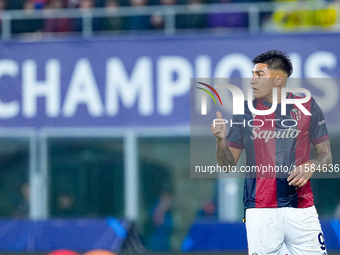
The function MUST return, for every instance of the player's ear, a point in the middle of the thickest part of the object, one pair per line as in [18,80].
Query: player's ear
[279,81]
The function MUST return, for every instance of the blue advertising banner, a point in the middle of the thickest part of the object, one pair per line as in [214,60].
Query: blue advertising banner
[73,234]
[145,81]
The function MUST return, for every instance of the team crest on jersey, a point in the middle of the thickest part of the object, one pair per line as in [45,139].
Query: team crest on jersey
[295,114]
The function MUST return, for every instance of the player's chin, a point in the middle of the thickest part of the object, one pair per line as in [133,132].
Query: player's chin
[257,95]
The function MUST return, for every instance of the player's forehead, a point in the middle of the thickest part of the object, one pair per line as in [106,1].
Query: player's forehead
[260,67]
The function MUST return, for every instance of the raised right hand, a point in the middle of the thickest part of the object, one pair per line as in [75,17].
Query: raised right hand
[219,130]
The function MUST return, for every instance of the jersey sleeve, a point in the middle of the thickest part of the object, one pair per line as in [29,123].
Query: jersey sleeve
[317,130]
[234,137]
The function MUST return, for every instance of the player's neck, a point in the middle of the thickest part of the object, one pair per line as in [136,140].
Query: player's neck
[269,99]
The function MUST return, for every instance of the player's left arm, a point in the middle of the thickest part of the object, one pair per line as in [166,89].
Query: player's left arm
[301,174]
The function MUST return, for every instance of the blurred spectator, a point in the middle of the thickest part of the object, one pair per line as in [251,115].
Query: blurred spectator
[22,209]
[228,20]
[56,24]
[76,3]
[73,3]
[85,6]
[29,25]
[208,211]
[157,19]
[168,2]
[327,16]
[66,204]
[194,20]
[138,21]
[113,21]
[288,18]
[2,8]
[15,5]
[39,4]
[162,222]
[337,210]
[2,5]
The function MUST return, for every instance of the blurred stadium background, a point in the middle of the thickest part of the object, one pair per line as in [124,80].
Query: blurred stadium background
[95,119]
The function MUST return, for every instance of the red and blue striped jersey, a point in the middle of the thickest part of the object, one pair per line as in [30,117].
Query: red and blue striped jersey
[273,140]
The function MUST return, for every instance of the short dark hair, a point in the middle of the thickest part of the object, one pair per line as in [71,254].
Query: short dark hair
[275,60]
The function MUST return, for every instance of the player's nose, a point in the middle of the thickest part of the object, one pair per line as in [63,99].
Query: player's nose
[253,80]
